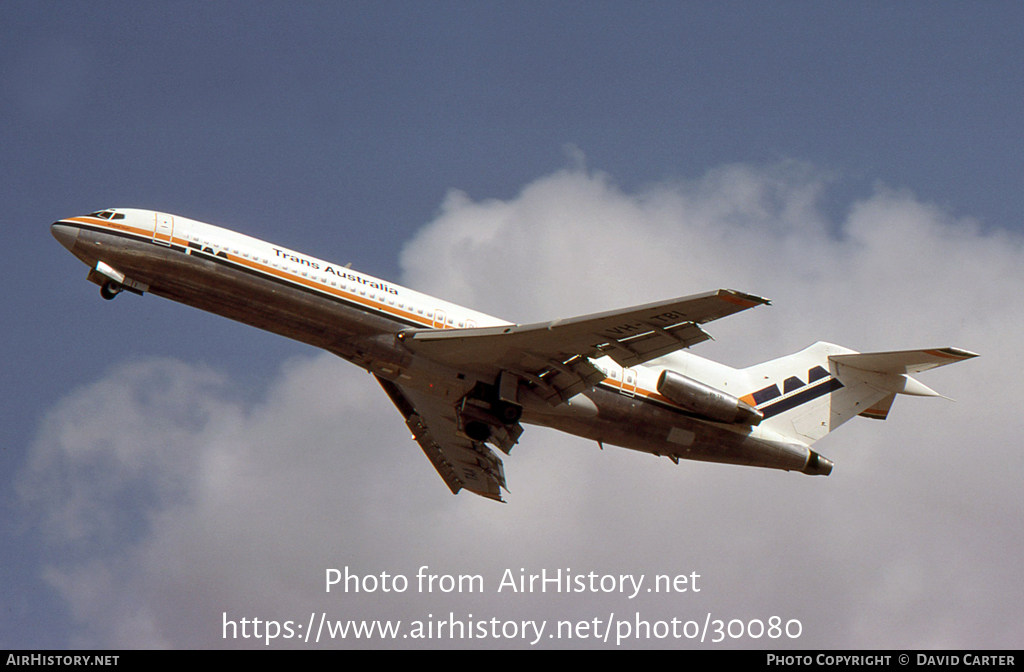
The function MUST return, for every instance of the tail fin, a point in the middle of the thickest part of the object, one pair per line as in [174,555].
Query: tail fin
[806,395]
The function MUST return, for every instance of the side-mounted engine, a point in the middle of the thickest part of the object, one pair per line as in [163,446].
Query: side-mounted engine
[706,401]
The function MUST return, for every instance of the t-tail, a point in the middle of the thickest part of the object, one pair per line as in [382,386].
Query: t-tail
[806,395]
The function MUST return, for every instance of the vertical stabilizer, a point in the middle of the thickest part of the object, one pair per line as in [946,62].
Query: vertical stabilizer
[806,395]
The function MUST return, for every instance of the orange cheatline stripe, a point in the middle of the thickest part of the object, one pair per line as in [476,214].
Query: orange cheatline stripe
[269,270]
[353,297]
[334,291]
[643,392]
[108,224]
[313,284]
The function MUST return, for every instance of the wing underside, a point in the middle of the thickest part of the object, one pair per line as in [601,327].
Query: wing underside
[461,462]
[551,359]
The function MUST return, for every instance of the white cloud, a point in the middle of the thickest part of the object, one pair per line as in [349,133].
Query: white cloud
[169,501]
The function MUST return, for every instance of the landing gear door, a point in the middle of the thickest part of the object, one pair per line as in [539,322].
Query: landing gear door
[163,229]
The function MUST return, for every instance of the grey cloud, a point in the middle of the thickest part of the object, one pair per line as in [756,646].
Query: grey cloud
[912,542]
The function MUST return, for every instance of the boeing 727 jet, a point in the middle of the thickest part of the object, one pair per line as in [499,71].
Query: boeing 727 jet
[465,382]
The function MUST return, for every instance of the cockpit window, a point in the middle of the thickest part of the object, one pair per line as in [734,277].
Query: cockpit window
[107,214]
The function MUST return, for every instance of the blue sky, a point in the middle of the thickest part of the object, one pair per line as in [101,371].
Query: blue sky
[372,133]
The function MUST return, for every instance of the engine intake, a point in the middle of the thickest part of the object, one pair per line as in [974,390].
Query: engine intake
[707,401]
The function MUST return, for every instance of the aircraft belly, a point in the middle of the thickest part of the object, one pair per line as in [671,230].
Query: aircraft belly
[466,382]
[646,426]
[205,282]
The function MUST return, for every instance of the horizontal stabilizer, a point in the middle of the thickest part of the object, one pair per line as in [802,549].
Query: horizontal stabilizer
[808,394]
[903,361]
[889,371]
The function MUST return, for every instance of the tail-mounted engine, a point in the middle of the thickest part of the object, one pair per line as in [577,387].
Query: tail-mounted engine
[706,401]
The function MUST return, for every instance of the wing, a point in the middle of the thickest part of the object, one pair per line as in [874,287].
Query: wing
[553,356]
[461,462]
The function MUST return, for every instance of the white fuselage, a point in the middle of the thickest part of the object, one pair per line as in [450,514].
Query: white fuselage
[357,317]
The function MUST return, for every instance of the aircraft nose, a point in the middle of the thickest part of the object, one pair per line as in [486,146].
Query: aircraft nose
[65,234]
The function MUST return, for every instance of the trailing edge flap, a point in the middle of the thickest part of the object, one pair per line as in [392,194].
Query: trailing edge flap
[553,355]
[889,370]
[461,462]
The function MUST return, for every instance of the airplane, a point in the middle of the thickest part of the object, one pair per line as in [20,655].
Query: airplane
[466,382]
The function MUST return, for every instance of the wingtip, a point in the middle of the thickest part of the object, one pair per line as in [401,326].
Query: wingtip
[744,299]
[963,354]
[951,355]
